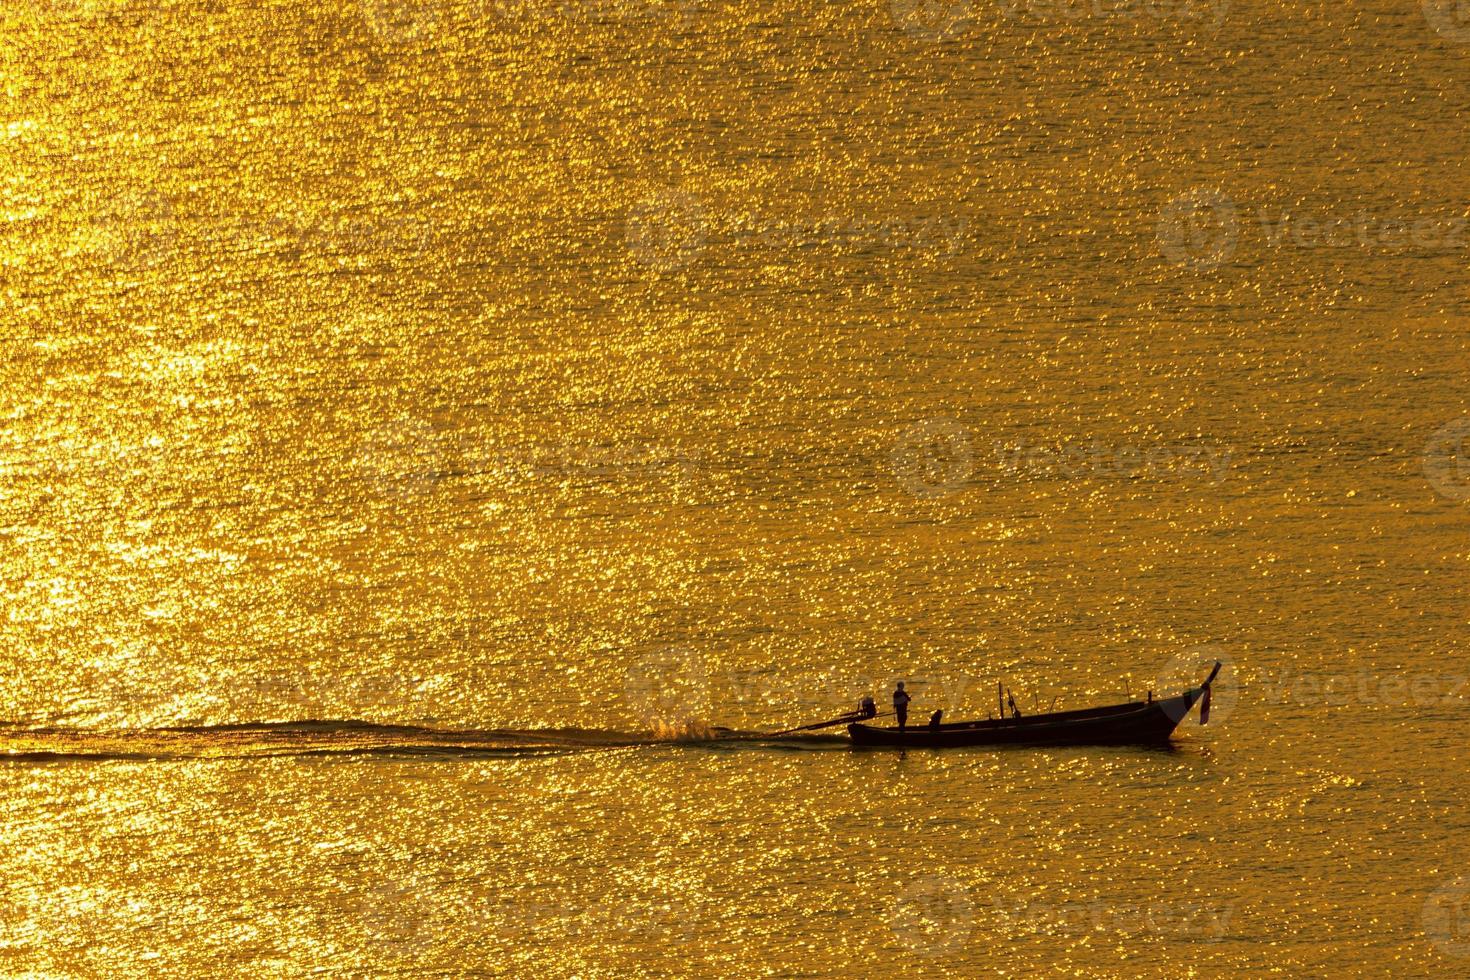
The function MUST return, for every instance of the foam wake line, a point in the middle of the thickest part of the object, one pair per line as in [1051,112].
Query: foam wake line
[316,737]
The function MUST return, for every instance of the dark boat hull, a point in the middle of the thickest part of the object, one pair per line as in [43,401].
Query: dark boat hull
[1135,723]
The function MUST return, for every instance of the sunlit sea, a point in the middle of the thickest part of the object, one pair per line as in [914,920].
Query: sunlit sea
[429,430]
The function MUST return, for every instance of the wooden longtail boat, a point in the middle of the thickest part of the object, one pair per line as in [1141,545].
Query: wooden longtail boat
[1149,722]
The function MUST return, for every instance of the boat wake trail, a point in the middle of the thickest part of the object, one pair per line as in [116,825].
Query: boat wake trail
[350,737]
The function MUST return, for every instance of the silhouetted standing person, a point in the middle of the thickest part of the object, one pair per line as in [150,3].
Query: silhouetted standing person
[901,701]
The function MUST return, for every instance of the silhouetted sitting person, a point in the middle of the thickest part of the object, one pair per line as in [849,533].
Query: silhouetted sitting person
[934,718]
[867,709]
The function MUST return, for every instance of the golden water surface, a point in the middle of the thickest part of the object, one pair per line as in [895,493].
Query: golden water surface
[407,408]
